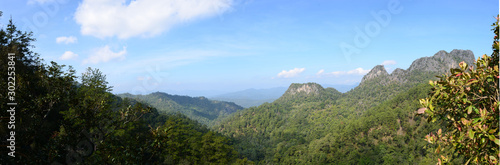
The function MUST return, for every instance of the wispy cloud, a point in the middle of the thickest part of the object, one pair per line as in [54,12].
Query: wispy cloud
[291,73]
[320,72]
[104,54]
[66,40]
[173,59]
[68,55]
[357,71]
[107,18]
[31,2]
[389,62]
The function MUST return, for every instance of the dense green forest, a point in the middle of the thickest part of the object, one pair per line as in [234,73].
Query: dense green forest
[62,118]
[200,109]
[320,130]
[377,122]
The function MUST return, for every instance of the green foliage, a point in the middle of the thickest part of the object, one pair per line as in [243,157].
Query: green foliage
[327,130]
[467,102]
[494,55]
[62,121]
[42,91]
[201,109]
[182,141]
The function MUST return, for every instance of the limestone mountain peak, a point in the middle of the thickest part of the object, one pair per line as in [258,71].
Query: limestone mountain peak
[377,71]
[305,88]
[440,62]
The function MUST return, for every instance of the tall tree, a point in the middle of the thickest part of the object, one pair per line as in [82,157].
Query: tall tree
[494,55]
[467,102]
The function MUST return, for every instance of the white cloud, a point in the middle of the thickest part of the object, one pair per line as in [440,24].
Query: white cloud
[104,54]
[66,40]
[172,59]
[389,62]
[107,18]
[68,55]
[320,72]
[291,73]
[357,71]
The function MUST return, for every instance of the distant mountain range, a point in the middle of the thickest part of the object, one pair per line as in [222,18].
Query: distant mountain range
[340,87]
[252,97]
[255,97]
[200,109]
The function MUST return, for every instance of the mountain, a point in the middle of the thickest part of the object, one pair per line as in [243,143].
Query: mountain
[251,97]
[255,97]
[340,87]
[377,85]
[374,123]
[195,93]
[441,62]
[307,92]
[200,109]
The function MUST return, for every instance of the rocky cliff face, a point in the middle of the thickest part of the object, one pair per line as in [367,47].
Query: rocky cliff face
[440,63]
[308,89]
[377,71]
[308,92]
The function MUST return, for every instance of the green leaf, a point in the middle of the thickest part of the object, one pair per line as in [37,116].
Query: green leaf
[455,70]
[476,110]
[491,137]
[497,141]
[492,131]
[470,110]
[475,120]
[438,149]
[468,161]
[429,112]
[437,92]
[471,134]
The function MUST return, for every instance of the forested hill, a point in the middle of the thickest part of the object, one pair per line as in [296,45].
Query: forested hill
[61,118]
[375,123]
[378,85]
[252,97]
[200,109]
[307,92]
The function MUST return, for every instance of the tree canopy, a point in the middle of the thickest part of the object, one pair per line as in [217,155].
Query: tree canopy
[62,118]
[467,102]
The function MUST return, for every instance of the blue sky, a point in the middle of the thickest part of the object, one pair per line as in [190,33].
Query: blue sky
[228,45]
